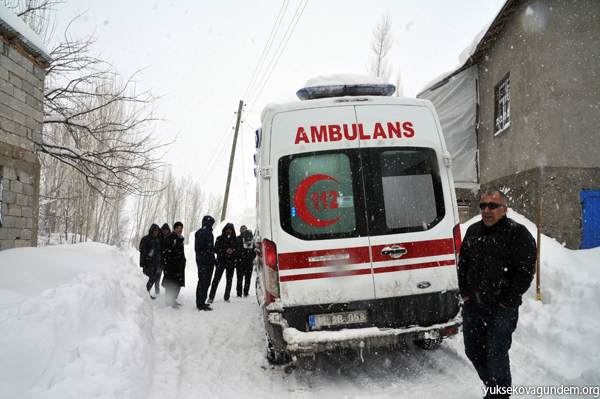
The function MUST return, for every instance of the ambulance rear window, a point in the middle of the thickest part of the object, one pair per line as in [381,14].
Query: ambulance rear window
[406,193]
[317,194]
[360,192]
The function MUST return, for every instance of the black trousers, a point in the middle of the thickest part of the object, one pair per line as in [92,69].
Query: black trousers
[243,277]
[488,336]
[204,275]
[215,283]
[153,277]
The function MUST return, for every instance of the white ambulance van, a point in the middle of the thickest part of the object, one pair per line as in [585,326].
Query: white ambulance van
[357,225]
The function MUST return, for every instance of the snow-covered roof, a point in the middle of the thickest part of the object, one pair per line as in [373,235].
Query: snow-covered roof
[474,51]
[20,30]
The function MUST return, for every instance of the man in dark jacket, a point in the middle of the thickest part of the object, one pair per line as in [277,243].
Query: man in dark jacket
[226,250]
[162,237]
[205,260]
[174,269]
[245,261]
[496,267]
[150,258]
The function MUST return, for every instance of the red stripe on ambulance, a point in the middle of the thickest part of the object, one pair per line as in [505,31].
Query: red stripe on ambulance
[358,256]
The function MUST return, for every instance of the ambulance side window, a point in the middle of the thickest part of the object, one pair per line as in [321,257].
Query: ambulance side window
[407,191]
[317,195]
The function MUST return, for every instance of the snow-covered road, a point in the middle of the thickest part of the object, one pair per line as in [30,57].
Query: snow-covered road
[76,322]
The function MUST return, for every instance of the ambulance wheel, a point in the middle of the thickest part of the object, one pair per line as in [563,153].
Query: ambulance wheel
[428,344]
[257,290]
[276,357]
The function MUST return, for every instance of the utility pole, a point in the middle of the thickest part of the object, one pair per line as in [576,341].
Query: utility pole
[237,128]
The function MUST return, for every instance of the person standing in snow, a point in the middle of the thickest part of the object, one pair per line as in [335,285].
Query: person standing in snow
[226,250]
[165,231]
[495,268]
[150,256]
[174,267]
[205,260]
[245,261]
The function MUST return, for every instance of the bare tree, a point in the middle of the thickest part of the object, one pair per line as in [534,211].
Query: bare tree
[37,14]
[98,143]
[383,40]
[399,88]
[106,125]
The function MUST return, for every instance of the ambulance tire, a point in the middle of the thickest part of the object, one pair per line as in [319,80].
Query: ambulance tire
[276,357]
[257,290]
[428,344]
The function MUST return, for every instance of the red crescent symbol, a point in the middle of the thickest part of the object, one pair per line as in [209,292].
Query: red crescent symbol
[300,201]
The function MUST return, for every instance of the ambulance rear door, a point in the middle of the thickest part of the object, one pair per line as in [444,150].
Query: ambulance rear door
[320,225]
[409,206]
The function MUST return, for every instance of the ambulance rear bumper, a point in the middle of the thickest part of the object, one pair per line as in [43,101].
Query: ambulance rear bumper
[307,343]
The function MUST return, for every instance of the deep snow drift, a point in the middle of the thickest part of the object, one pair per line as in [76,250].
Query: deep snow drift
[76,322]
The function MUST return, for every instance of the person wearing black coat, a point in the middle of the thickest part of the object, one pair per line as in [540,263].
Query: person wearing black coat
[174,268]
[165,231]
[226,250]
[150,256]
[496,266]
[205,260]
[245,261]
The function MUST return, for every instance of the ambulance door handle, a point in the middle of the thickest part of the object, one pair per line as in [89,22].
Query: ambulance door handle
[395,251]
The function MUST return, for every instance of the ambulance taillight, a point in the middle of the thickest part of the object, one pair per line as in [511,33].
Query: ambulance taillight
[269,253]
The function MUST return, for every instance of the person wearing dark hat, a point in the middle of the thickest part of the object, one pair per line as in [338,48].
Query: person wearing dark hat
[165,232]
[245,262]
[174,268]
[205,260]
[150,256]
[226,250]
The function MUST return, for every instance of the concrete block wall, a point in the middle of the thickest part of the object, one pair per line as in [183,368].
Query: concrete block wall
[21,120]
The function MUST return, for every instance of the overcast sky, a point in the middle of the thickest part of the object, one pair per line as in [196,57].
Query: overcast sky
[200,58]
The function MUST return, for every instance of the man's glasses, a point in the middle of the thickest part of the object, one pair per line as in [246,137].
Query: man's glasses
[491,205]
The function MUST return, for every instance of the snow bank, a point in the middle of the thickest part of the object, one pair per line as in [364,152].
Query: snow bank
[77,322]
[560,333]
[87,335]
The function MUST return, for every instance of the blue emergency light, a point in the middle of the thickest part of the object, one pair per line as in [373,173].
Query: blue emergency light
[314,92]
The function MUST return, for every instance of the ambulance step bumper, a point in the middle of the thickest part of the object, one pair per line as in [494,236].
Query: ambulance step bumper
[307,343]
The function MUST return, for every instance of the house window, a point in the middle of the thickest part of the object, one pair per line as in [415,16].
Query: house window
[502,105]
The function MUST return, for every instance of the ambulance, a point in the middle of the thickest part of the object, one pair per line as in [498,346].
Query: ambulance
[357,226]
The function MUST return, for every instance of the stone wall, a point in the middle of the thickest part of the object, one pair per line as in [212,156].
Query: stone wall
[21,118]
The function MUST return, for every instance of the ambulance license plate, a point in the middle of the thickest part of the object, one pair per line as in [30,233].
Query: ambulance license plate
[336,319]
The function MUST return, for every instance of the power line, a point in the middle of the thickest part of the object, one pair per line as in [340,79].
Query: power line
[278,52]
[268,45]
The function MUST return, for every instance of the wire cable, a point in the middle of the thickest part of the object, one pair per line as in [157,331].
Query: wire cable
[279,52]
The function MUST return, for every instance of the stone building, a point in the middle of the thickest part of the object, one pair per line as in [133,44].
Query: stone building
[522,114]
[23,63]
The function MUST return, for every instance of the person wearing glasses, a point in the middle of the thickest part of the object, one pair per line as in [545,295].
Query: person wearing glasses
[495,268]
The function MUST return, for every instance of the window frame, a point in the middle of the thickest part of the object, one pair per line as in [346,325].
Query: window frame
[502,105]
[285,201]
[370,217]
[376,212]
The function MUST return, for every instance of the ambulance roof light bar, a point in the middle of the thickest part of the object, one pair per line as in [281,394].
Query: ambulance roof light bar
[315,92]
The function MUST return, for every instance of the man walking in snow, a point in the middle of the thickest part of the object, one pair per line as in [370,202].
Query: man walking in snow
[205,260]
[226,250]
[496,267]
[150,256]
[165,232]
[174,268]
